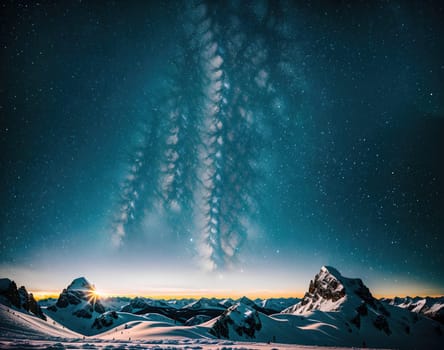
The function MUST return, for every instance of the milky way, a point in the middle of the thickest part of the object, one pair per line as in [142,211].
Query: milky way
[252,138]
[200,157]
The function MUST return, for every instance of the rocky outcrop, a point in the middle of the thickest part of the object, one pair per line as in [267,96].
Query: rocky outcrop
[105,320]
[239,319]
[332,292]
[20,298]
[34,307]
[198,319]
[8,289]
[24,298]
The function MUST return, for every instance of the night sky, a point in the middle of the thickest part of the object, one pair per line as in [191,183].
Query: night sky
[220,148]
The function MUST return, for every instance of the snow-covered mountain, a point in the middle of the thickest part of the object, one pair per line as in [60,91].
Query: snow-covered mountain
[336,311]
[227,302]
[179,303]
[346,303]
[330,291]
[239,320]
[19,298]
[428,306]
[80,309]
[77,306]
[20,324]
[205,303]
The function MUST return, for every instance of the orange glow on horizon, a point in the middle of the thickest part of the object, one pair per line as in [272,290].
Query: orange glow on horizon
[189,294]
[40,295]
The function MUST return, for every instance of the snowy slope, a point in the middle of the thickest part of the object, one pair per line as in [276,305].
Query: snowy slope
[243,323]
[19,324]
[19,330]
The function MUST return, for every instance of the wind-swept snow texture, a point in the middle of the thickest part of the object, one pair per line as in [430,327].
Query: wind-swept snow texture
[203,145]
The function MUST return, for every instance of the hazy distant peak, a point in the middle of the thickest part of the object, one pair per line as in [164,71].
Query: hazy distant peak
[247,301]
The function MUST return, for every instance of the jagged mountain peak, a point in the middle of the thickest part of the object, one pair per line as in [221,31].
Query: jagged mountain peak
[81,283]
[78,299]
[329,290]
[247,301]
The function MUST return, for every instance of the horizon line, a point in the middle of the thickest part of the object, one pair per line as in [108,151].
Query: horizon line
[42,295]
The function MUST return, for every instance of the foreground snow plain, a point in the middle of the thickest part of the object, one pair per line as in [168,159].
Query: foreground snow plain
[22,331]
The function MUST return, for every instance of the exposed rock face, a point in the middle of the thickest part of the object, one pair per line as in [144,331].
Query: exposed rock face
[105,320]
[9,290]
[239,318]
[69,298]
[329,290]
[86,312]
[332,292]
[23,295]
[324,292]
[198,319]
[80,296]
[34,307]
[20,298]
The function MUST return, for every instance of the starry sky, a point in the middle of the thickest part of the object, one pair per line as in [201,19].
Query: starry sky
[335,107]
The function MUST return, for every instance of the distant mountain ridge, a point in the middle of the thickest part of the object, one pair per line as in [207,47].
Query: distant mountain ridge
[335,311]
[79,308]
[432,307]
